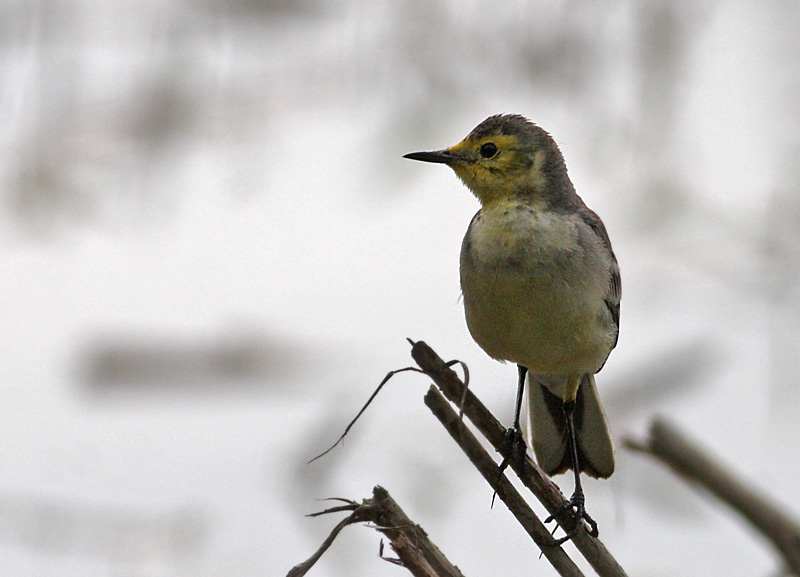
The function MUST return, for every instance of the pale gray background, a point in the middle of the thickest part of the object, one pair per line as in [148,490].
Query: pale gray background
[212,251]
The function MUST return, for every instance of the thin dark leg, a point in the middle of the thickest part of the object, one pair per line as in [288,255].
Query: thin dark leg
[578,498]
[577,503]
[520,389]
[513,442]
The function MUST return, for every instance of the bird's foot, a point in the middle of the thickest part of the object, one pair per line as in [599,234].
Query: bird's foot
[577,506]
[513,447]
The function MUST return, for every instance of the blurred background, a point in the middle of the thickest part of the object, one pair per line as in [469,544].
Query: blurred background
[212,251]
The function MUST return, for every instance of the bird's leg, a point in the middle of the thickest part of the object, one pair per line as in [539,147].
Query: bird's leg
[577,502]
[513,440]
[520,389]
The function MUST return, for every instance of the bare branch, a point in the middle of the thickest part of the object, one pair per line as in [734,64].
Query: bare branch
[673,448]
[500,483]
[529,473]
[414,549]
[411,543]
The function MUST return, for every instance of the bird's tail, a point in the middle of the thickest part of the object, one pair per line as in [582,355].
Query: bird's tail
[547,429]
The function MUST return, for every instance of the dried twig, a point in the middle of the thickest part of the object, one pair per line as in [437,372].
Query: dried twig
[409,541]
[673,448]
[500,483]
[414,549]
[377,390]
[531,475]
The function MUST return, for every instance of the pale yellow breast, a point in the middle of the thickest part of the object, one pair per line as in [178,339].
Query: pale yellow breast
[534,283]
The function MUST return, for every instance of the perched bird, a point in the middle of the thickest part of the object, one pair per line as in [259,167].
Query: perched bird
[541,289]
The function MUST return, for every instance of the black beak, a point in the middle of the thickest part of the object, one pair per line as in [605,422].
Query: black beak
[438,156]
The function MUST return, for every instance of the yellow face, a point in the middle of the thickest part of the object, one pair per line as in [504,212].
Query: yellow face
[498,166]
[505,157]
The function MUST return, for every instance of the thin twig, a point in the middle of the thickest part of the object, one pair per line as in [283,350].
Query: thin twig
[385,380]
[673,448]
[301,569]
[414,549]
[529,473]
[500,483]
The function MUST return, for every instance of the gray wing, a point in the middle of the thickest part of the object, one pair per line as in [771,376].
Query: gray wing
[614,292]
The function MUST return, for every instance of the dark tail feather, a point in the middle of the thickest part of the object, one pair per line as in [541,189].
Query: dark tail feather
[548,429]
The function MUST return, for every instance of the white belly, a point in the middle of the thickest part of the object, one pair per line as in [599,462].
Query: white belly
[534,287]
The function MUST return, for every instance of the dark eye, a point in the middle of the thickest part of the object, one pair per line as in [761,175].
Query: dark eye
[488,150]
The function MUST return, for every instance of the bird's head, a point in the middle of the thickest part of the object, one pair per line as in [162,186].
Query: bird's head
[506,156]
